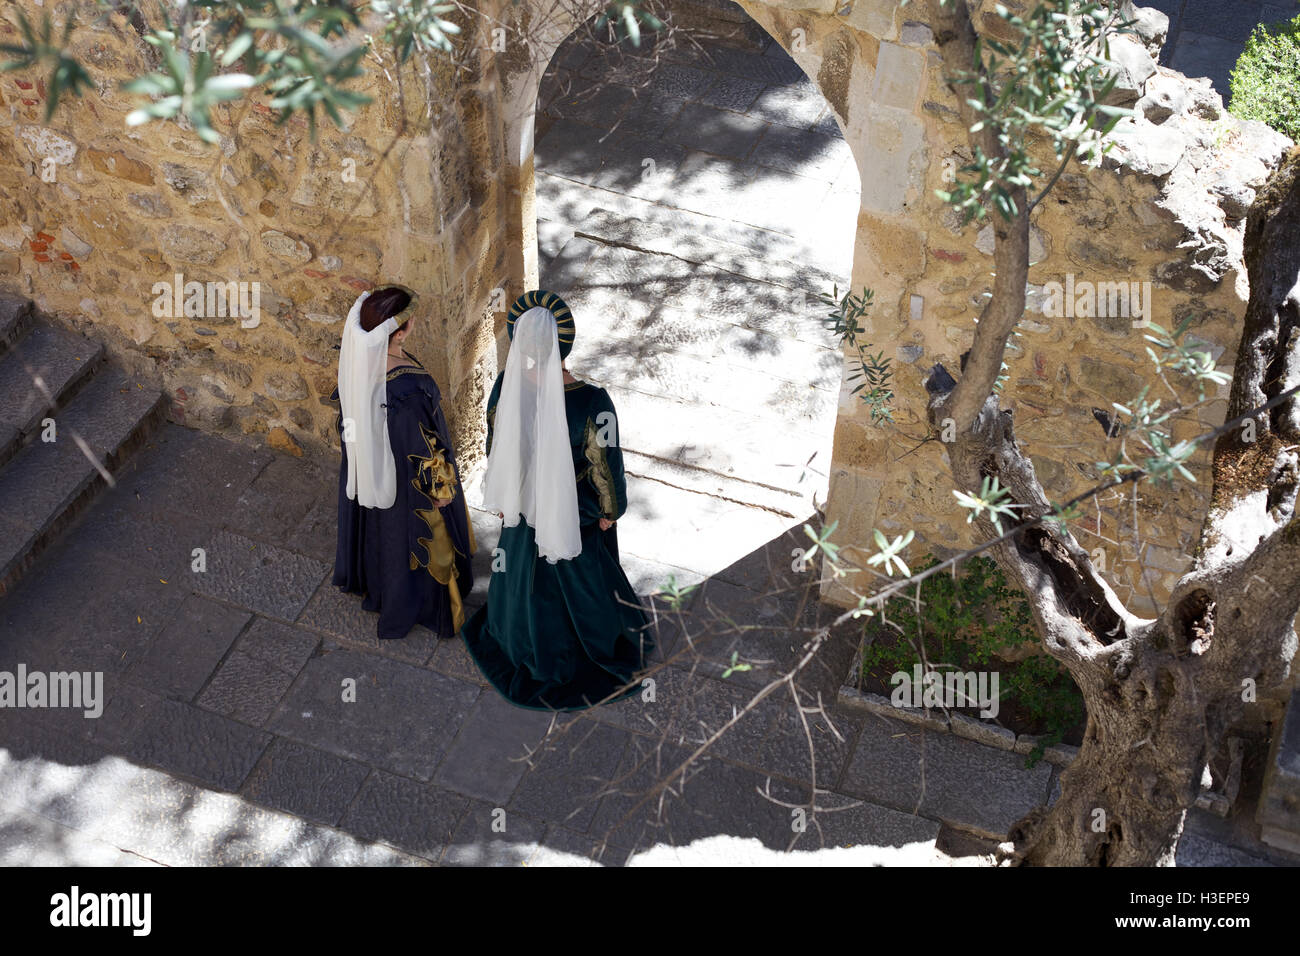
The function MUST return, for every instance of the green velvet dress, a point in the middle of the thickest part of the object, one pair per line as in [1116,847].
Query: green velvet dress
[568,635]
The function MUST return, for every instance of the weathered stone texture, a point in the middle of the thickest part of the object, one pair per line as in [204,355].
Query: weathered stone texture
[434,189]
[312,224]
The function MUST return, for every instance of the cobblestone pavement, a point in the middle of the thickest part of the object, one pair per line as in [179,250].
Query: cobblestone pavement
[224,737]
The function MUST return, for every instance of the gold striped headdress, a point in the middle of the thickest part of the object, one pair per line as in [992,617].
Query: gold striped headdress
[546,300]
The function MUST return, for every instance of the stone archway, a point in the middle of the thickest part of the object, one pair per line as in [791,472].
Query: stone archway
[1165,209]
[690,223]
[888,193]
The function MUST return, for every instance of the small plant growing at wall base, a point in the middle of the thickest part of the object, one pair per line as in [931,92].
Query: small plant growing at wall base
[974,620]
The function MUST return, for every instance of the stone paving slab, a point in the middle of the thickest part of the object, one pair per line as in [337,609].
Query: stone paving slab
[44,607]
[966,784]
[865,824]
[139,538]
[1196,850]
[487,758]
[180,738]
[451,658]
[718,131]
[731,93]
[317,532]
[191,478]
[96,799]
[305,782]
[406,814]
[567,780]
[118,618]
[183,656]
[785,748]
[488,835]
[263,511]
[341,616]
[28,839]
[1206,37]
[276,645]
[402,720]
[245,689]
[716,798]
[659,515]
[266,578]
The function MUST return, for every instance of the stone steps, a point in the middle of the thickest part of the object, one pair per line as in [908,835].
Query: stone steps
[15,319]
[99,412]
[45,367]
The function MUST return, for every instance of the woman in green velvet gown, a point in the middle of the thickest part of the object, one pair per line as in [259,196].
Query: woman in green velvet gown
[562,628]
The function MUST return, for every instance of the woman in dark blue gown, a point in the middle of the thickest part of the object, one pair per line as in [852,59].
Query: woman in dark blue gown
[569,633]
[411,559]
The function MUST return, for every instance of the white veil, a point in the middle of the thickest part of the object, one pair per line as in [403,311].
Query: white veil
[530,468]
[372,473]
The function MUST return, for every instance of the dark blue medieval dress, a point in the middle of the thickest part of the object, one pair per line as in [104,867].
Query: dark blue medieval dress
[411,561]
[568,635]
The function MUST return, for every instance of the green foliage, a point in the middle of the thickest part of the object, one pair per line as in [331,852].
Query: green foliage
[821,541]
[40,48]
[1265,83]
[674,594]
[890,552]
[296,51]
[417,25]
[873,373]
[734,667]
[964,620]
[1145,445]
[991,498]
[627,19]
[1052,82]
[1183,358]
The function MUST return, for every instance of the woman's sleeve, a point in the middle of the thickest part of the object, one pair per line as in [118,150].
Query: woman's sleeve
[415,423]
[604,454]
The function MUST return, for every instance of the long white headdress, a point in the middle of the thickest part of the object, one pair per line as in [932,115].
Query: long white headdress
[372,472]
[530,468]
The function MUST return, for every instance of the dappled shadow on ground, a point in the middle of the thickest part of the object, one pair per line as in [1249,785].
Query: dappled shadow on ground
[223,740]
[691,210]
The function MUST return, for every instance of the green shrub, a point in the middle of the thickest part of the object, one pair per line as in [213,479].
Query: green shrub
[964,621]
[1266,80]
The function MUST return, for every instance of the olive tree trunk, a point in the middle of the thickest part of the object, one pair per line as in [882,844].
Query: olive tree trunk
[1160,694]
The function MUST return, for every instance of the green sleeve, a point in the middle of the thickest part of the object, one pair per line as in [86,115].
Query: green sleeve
[603,450]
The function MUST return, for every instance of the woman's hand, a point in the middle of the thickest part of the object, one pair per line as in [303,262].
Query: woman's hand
[443,502]
[606,524]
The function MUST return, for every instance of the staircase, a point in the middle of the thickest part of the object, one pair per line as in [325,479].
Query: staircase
[56,384]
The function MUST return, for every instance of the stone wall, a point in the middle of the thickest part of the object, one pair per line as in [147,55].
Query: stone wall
[93,214]
[445,204]
[1166,208]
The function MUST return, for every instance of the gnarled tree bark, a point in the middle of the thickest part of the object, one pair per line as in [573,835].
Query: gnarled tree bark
[1160,694]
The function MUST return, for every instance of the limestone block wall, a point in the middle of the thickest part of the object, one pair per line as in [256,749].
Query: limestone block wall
[1165,210]
[93,214]
[440,197]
